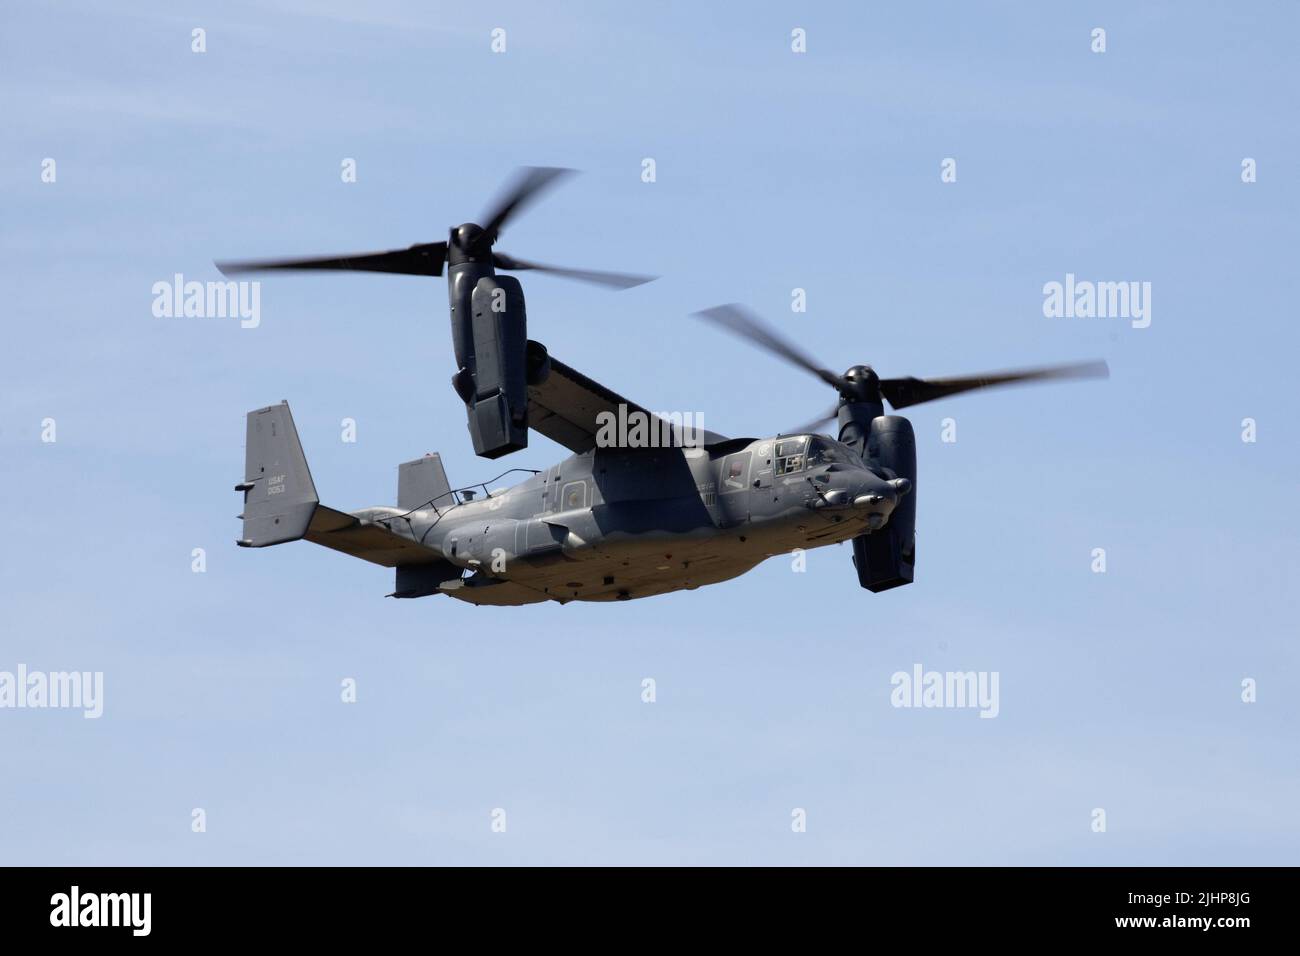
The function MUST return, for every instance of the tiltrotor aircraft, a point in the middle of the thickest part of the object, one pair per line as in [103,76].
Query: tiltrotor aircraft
[675,509]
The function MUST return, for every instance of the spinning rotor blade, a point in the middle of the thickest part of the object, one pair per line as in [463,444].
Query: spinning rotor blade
[428,259]
[741,322]
[816,423]
[424,259]
[530,184]
[860,382]
[615,280]
[902,392]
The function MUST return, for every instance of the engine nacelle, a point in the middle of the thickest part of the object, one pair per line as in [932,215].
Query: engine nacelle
[498,399]
[887,558]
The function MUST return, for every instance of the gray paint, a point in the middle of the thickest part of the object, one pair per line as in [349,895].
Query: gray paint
[604,524]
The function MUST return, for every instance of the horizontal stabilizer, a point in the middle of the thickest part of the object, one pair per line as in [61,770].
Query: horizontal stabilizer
[368,540]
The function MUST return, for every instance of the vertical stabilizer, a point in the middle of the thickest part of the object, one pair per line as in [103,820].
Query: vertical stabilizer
[422,481]
[279,496]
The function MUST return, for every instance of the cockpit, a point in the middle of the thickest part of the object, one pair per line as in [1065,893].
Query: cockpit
[809,451]
[824,451]
[789,456]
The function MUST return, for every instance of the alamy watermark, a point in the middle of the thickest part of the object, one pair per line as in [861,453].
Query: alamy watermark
[633,428]
[229,299]
[73,690]
[1083,299]
[946,689]
[128,910]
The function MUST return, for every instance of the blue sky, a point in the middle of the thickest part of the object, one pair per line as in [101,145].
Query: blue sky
[820,171]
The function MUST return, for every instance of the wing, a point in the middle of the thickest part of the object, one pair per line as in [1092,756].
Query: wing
[566,405]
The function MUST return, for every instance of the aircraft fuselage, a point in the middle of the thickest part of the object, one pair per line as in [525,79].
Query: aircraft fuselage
[618,523]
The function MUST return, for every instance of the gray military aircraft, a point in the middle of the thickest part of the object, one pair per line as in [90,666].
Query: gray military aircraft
[631,513]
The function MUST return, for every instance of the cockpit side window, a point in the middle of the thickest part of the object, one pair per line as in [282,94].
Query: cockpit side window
[823,451]
[789,455]
[818,451]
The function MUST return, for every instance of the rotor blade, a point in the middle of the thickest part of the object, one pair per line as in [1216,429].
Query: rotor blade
[816,423]
[529,184]
[615,280]
[902,392]
[424,259]
[741,322]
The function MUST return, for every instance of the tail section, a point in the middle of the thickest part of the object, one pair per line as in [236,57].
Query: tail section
[279,496]
[280,504]
[422,483]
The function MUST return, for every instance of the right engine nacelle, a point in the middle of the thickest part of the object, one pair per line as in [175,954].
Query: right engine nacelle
[887,558]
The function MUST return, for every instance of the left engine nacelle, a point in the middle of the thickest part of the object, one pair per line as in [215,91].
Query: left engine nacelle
[497,394]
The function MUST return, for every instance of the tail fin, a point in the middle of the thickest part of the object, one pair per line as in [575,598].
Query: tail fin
[421,482]
[279,496]
[280,504]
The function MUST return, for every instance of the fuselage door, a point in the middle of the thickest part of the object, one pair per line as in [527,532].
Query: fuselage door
[761,481]
[734,487]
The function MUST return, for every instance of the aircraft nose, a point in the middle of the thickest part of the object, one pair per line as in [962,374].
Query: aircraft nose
[880,499]
[883,499]
[882,496]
